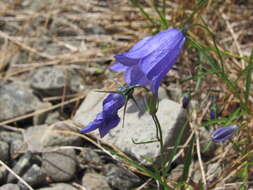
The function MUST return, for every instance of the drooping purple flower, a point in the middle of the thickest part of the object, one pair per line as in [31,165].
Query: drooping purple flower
[108,118]
[149,60]
[224,133]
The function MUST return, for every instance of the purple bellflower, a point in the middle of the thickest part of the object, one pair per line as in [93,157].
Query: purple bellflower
[150,59]
[108,118]
[223,134]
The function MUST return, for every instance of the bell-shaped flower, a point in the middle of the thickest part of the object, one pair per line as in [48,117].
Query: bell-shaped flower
[149,60]
[108,118]
[224,133]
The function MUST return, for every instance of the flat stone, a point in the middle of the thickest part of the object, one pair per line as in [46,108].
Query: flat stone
[121,178]
[61,165]
[94,181]
[10,186]
[17,99]
[38,138]
[59,186]
[138,126]
[4,151]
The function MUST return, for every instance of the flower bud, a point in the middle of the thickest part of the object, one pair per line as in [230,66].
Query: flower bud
[223,134]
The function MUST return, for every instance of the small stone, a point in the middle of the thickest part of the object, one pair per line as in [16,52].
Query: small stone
[60,165]
[121,178]
[59,186]
[20,167]
[34,176]
[49,80]
[52,118]
[9,136]
[17,99]
[4,151]
[41,137]
[94,181]
[10,186]
[90,156]
[17,147]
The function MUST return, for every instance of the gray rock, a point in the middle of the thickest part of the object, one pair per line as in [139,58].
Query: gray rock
[38,138]
[10,186]
[60,165]
[94,181]
[52,118]
[53,80]
[88,155]
[9,136]
[17,99]
[121,178]
[20,167]
[50,80]
[17,146]
[170,114]
[59,186]
[4,151]
[34,176]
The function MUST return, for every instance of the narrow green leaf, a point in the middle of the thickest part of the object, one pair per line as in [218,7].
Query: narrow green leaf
[177,142]
[248,79]
[188,161]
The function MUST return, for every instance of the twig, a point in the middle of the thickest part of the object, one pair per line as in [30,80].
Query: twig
[13,173]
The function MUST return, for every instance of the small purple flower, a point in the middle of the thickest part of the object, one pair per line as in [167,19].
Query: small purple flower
[149,60]
[223,134]
[108,118]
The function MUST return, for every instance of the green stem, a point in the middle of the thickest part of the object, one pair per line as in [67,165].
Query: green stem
[160,139]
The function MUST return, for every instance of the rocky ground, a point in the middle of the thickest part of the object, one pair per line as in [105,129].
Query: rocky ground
[54,54]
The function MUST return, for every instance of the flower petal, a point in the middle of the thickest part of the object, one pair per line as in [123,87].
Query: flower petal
[163,58]
[118,67]
[134,75]
[108,125]
[97,123]
[150,44]
[112,103]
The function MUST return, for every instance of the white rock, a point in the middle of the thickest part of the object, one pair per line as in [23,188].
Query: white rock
[138,127]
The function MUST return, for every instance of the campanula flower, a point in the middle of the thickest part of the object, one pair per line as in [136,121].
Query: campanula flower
[108,118]
[150,59]
[223,134]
